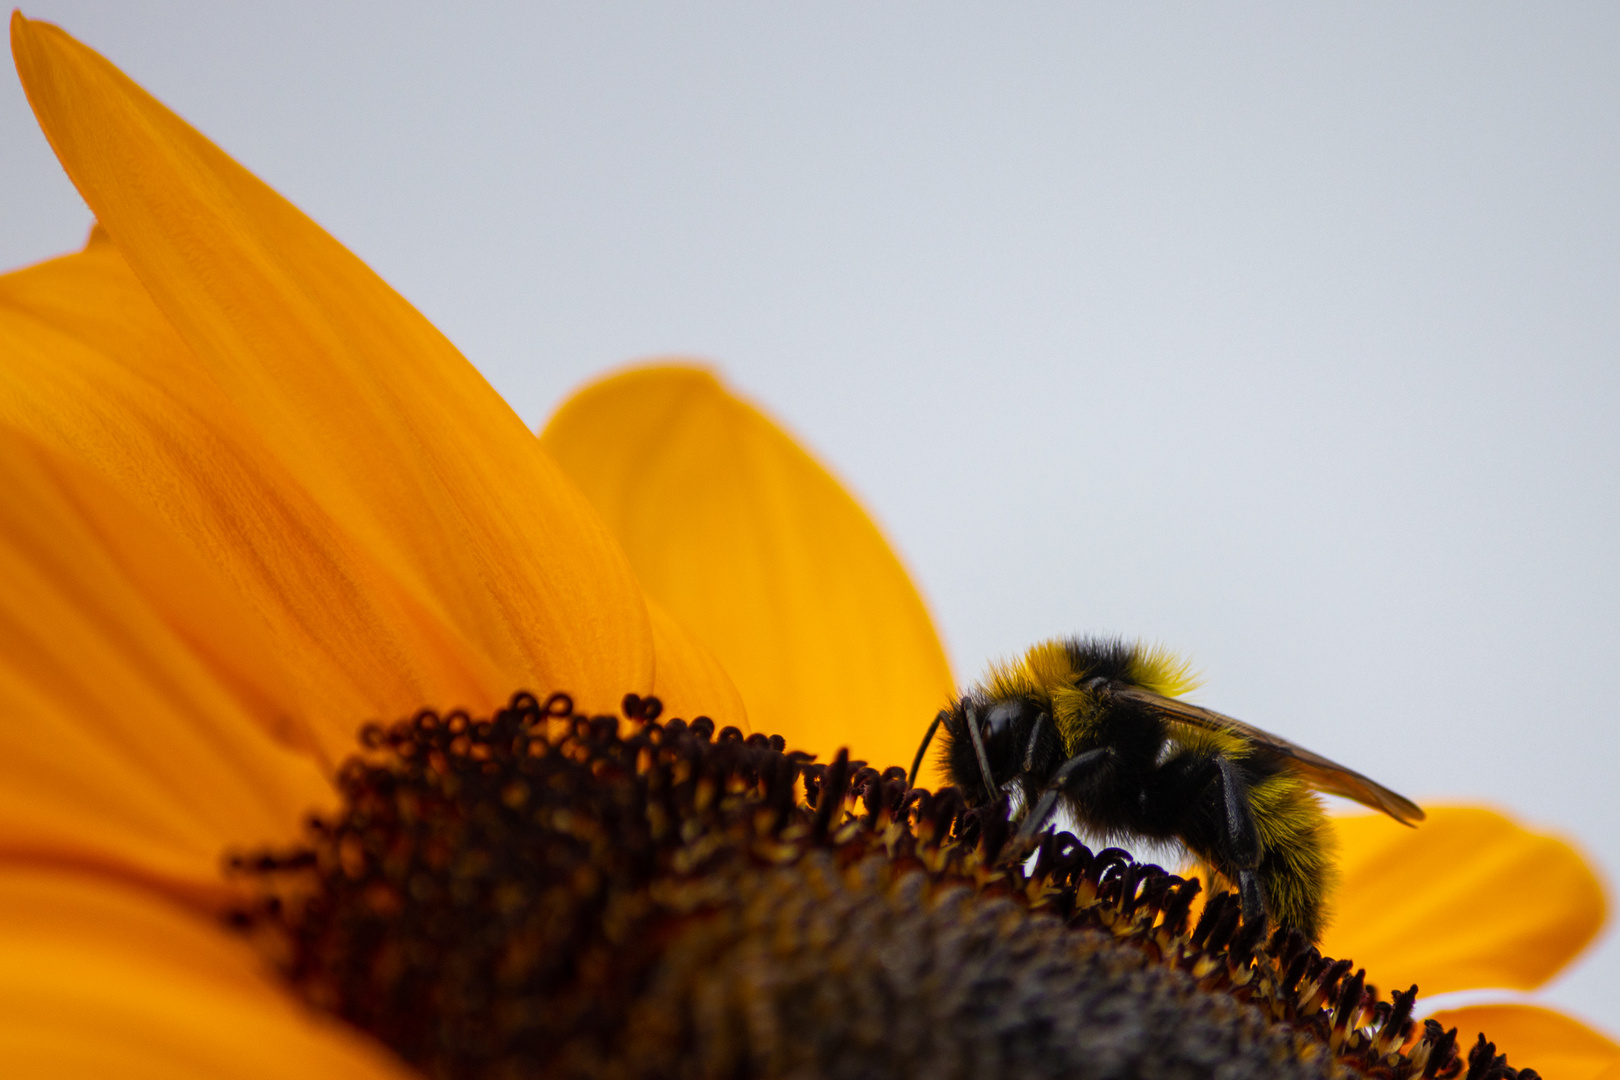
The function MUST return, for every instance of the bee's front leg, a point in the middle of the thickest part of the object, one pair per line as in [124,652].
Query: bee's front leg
[1071,774]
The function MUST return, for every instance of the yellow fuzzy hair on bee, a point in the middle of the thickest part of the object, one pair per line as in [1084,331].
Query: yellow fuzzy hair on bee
[1098,726]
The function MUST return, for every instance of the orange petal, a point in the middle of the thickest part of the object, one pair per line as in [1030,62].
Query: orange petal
[1557,1046]
[689,681]
[754,546]
[1466,900]
[90,366]
[136,695]
[100,980]
[371,411]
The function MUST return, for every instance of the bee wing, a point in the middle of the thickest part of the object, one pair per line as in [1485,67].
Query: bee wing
[1319,772]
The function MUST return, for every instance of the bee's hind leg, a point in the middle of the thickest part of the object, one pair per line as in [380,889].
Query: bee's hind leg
[1243,840]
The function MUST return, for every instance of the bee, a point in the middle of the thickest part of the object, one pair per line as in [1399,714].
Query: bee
[1097,726]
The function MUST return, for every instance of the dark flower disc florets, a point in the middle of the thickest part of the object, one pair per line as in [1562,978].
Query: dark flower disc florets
[549,894]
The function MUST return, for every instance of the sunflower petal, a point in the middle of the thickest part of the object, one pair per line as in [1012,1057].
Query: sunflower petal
[90,366]
[371,411]
[754,546]
[1468,899]
[101,980]
[1557,1046]
[136,696]
[689,681]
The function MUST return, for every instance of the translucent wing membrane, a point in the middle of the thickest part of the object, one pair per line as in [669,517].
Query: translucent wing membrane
[1318,771]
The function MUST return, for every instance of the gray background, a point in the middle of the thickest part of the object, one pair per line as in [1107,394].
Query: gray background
[1284,335]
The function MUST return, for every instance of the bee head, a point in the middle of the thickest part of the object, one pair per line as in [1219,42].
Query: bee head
[989,743]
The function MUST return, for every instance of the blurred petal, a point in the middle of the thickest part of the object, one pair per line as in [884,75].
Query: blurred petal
[90,366]
[1557,1046]
[754,546]
[1467,899]
[99,980]
[689,680]
[370,410]
[136,697]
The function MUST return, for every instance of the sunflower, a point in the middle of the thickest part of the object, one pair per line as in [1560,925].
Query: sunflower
[252,497]
[1470,901]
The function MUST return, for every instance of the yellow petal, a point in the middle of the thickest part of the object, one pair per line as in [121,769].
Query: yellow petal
[101,980]
[373,413]
[89,366]
[1466,900]
[754,546]
[1557,1046]
[689,681]
[136,697]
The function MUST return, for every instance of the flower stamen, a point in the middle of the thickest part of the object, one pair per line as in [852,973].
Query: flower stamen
[547,893]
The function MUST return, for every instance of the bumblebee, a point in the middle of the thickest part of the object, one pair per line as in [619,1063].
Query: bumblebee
[1097,726]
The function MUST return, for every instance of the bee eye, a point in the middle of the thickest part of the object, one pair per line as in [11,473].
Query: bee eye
[999,724]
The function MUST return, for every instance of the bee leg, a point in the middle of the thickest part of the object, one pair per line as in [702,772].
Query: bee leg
[928,737]
[1243,840]
[1034,737]
[1070,772]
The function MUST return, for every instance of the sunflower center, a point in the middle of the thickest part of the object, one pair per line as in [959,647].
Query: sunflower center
[546,893]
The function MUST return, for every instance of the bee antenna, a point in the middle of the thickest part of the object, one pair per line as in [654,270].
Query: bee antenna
[928,737]
[978,749]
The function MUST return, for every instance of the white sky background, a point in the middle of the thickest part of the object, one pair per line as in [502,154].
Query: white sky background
[1286,336]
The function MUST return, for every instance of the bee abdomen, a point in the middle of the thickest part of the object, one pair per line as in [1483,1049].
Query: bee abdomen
[1297,868]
